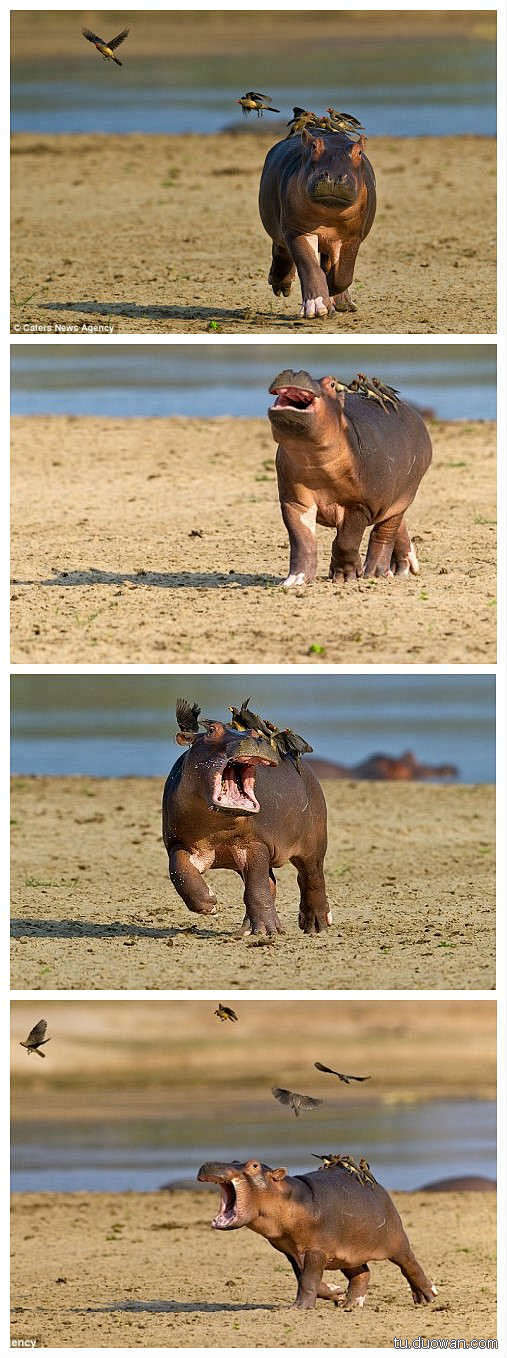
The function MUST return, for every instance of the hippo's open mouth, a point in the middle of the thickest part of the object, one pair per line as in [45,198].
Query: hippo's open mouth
[234,785]
[294,398]
[227,1215]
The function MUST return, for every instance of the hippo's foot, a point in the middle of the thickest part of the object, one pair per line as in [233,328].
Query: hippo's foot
[340,575]
[406,564]
[298,578]
[282,272]
[423,1296]
[316,306]
[343,302]
[314,922]
[268,927]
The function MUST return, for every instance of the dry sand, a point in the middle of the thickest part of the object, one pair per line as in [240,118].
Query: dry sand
[161,234]
[409,872]
[108,569]
[102,1270]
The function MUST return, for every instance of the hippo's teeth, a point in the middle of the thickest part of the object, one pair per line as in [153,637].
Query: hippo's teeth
[297,579]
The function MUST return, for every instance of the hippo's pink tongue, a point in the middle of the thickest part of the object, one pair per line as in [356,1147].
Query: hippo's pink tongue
[294,396]
[226,1214]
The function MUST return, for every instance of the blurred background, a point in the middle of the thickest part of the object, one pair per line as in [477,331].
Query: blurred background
[401,73]
[135,1095]
[450,381]
[112,725]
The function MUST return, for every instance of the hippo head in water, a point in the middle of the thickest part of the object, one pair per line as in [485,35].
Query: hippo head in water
[303,405]
[221,765]
[243,1187]
[331,170]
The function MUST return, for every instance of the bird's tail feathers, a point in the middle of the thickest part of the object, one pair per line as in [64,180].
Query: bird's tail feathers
[41,1054]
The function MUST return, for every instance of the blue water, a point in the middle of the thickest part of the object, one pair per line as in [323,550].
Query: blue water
[456,381]
[397,86]
[117,725]
[406,1144]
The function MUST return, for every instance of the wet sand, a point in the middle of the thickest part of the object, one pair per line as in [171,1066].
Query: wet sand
[97,1270]
[161,541]
[409,872]
[123,232]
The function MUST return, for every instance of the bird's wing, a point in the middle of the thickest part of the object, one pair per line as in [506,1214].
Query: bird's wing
[37,1033]
[305,1101]
[230,1013]
[254,94]
[283,1095]
[187,715]
[326,1069]
[92,37]
[360,1078]
[115,42]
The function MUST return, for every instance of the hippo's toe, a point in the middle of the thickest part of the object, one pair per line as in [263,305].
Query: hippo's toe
[316,306]
[343,302]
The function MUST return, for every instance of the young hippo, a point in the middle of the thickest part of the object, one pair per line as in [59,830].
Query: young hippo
[347,463]
[321,1220]
[317,201]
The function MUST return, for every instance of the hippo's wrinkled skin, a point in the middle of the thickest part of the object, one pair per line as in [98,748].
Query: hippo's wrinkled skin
[231,802]
[346,463]
[404,768]
[317,202]
[321,1220]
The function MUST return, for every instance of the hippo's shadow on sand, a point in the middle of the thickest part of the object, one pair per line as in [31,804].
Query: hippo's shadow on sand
[183,1307]
[155,579]
[174,313]
[69,928]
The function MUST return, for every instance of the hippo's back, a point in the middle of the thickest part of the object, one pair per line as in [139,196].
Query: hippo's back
[390,445]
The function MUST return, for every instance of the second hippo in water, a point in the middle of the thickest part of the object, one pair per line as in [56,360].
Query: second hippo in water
[321,1220]
[347,463]
[317,202]
[233,801]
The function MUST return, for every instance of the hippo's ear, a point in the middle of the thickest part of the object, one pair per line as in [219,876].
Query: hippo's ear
[186,737]
[315,145]
[277,1174]
[357,150]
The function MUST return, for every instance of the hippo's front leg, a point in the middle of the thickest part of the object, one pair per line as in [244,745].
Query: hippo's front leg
[189,883]
[346,562]
[314,289]
[341,273]
[259,894]
[310,1280]
[300,524]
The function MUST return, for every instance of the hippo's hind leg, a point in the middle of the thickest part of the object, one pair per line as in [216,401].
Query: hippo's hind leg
[404,558]
[282,271]
[422,1290]
[189,883]
[346,562]
[314,912]
[259,895]
[358,1280]
[382,546]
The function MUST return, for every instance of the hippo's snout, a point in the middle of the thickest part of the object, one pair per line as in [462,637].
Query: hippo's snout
[333,190]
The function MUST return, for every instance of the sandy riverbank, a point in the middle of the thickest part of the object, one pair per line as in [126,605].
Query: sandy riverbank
[409,871]
[161,541]
[97,1270]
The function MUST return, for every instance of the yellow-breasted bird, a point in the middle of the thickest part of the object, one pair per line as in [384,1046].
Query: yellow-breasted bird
[253,100]
[224,1013]
[106,49]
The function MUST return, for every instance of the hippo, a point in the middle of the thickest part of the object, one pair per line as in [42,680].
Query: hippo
[347,463]
[384,768]
[460,1183]
[325,1219]
[317,201]
[232,801]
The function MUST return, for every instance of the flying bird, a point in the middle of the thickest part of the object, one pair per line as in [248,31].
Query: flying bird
[346,1078]
[36,1038]
[297,1102]
[106,49]
[224,1013]
[252,100]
